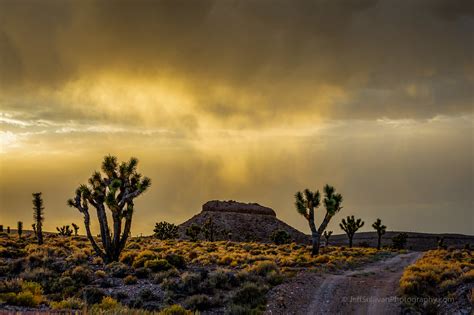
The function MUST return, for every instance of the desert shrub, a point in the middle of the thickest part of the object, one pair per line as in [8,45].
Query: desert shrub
[108,305]
[251,295]
[12,285]
[147,295]
[274,278]
[191,281]
[280,237]
[100,274]
[142,258]
[118,269]
[175,310]
[158,265]
[142,272]
[97,261]
[69,304]
[92,295]
[82,275]
[160,276]
[176,260]
[165,231]
[129,280]
[221,279]
[128,258]
[263,267]
[321,259]
[31,295]
[198,302]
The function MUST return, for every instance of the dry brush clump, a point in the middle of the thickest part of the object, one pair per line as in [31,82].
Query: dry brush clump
[441,278]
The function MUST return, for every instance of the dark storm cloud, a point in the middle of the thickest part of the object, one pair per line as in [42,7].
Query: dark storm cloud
[379,58]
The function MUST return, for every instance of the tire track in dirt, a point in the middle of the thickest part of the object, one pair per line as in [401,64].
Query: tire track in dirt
[368,290]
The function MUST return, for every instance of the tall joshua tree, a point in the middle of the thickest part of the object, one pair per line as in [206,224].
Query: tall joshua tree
[38,216]
[115,191]
[20,229]
[380,228]
[307,201]
[351,226]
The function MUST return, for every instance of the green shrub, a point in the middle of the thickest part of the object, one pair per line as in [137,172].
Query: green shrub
[129,280]
[69,304]
[82,275]
[175,310]
[142,258]
[31,295]
[118,269]
[157,265]
[176,260]
[251,295]
[280,237]
[92,295]
[198,302]
[263,267]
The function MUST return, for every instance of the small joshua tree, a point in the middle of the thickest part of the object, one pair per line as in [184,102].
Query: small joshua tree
[8,230]
[327,235]
[351,226]
[38,216]
[64,230]
[1,228]
[399,241]
[75,227]
[165,231]
[380,228]
[115,190]
[193,232]
[20,229]
[305,204]
[209,230]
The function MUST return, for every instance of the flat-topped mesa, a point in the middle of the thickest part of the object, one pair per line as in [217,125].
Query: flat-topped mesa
[238,207]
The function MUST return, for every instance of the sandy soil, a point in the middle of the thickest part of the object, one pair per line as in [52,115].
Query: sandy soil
[371,289]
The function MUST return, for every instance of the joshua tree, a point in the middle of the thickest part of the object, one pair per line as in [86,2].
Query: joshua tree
[380,228]
[440,241]
[351,226]
[209,230]
[20,228]
[1,228]
[8,230]
[38,216]
[75,227]
[115,191]
[193,232]
[327,235]
[165,231]
[399,241]
[64,230]
[305,204]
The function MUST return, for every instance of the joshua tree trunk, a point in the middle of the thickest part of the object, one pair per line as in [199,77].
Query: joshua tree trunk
[315,242]
[350,241]
[379,241]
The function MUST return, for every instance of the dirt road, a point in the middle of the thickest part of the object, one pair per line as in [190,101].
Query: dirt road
[369,290]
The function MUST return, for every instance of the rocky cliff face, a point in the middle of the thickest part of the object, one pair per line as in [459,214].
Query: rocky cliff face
[239,221]
[237,207]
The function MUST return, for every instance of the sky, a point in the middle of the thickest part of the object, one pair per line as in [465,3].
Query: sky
[242,100]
